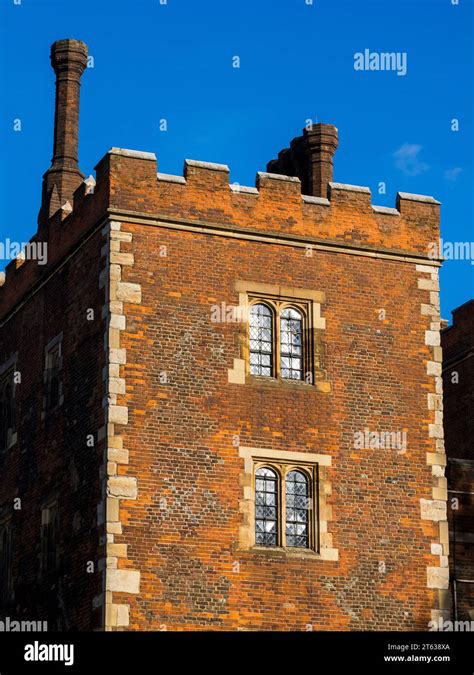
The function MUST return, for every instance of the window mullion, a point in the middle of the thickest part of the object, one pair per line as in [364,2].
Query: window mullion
[315,523]
[277,340]
[307,347]
[311,520]
[304,345]
[283,506]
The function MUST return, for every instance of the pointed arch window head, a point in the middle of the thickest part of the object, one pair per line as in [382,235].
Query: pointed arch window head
[261,340]
[291,344]
[266,507]
[297,509]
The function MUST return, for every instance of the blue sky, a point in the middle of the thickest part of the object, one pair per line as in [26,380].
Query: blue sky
[174,61]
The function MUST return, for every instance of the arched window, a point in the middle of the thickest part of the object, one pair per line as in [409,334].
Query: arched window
[297,509]
[266,507]
[261,340]
[284,500]
[291,344]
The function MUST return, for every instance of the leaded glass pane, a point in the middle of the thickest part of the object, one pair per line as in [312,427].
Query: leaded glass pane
[261,340]
[298,506]
[291,344]
[266,507]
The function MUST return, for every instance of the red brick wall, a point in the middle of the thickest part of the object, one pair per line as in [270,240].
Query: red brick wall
[51,456]
[180,438]
[182,531]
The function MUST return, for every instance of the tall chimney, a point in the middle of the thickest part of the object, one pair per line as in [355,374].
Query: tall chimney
[322,143]
[69,60]
[310,158]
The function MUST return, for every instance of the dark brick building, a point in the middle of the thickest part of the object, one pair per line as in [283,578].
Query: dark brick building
[221,405]
[458,387]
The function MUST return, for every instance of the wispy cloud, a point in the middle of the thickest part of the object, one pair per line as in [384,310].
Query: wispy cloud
[408,161]
[452,174]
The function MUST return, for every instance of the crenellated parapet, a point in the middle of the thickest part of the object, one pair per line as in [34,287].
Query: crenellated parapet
[274,205]
[127,182]
[50,247]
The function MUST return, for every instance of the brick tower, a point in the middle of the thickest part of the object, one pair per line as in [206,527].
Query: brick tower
[221,405]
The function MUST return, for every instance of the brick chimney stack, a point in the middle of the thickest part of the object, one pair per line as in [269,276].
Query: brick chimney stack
[69,60]
[310,158]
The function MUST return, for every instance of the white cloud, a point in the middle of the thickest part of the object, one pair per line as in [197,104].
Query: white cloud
[452,174]
[408,161]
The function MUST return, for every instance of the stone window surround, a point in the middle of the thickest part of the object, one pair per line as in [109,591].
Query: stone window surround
[307,301]
[54,342]
[10,365]
[256,457]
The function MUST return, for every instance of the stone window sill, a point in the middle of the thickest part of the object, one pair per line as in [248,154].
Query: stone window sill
[285,552]
[319,385]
